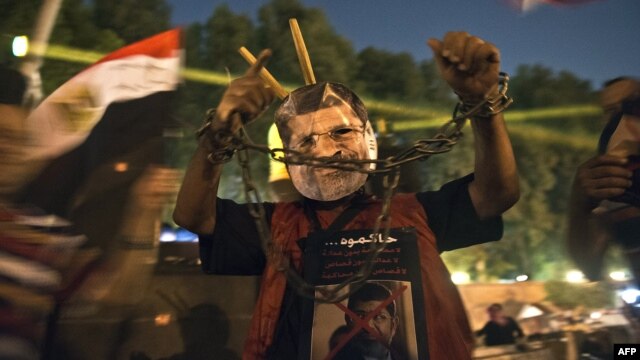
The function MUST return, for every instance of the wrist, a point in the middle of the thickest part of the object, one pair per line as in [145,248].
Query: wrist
[486,106]
[217,143]
[475,99]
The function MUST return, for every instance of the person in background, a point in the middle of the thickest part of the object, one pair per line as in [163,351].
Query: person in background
[43,264]
[604,206]
[500,329]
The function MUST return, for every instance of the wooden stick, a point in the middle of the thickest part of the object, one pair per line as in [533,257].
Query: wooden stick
[265,75]
[303,55]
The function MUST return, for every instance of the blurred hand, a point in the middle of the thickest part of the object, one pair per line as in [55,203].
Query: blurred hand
[602,177]
[245,99]
[468,64]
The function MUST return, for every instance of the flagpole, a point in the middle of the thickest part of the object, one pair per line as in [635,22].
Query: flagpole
[31,64]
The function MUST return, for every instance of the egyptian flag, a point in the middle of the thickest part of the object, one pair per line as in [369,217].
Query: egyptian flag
[64,120]
[100,130]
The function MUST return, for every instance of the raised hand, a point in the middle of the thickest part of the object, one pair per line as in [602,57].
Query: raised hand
[468,64]
[245,99]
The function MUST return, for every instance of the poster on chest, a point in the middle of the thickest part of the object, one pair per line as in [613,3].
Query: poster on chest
[384,317]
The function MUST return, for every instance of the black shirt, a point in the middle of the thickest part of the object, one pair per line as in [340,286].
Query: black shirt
[496,334]
[235,248]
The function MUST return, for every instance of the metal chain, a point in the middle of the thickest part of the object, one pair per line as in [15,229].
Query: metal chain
[355,281]
[444,140]
[254,202]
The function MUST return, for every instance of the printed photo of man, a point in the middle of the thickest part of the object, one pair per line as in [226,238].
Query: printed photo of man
[371,324]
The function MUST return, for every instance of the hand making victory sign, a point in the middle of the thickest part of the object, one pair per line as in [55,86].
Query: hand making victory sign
[246,97]
[242,102]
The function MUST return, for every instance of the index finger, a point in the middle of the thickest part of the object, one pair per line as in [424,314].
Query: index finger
[255,68]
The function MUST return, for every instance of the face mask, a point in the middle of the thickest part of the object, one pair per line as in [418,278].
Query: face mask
[326,127]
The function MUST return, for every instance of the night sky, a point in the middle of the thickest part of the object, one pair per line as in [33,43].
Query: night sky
[596,41]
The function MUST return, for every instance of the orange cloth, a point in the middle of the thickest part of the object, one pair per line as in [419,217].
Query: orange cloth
[448,331]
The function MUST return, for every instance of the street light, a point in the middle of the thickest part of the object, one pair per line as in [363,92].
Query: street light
[460,277]
[20,46]
[31,64]
[575,276]
[618,275]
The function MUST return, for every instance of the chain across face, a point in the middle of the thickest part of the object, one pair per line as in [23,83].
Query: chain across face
[334,132]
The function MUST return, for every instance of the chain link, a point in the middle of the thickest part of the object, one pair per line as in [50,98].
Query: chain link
[444,140]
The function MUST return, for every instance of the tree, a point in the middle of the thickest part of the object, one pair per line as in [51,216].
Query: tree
[75,28]
[18,16]
[538,86]
[570,296]
[132,20]
[436,90]
[390,76]
[332,56]
[223,34]
[194,45]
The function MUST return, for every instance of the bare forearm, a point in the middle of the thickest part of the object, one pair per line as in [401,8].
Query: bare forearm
[587,235]
[242,102]
[602,177]
[471,66]
[495,187]
[196,203]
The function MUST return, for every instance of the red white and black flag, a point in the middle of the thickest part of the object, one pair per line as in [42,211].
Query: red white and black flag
[65,119]
[101,129]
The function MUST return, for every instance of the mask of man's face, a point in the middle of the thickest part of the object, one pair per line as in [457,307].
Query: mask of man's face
[334,132]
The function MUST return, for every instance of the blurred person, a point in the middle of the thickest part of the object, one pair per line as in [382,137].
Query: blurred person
[328,119]
[21,327]
[39,261]
[42,262]
[127,265]
[14,140]
[614,93]
[604,205]
[196,324]
[500,329]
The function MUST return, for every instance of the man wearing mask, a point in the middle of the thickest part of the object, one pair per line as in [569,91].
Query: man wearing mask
[327,120]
